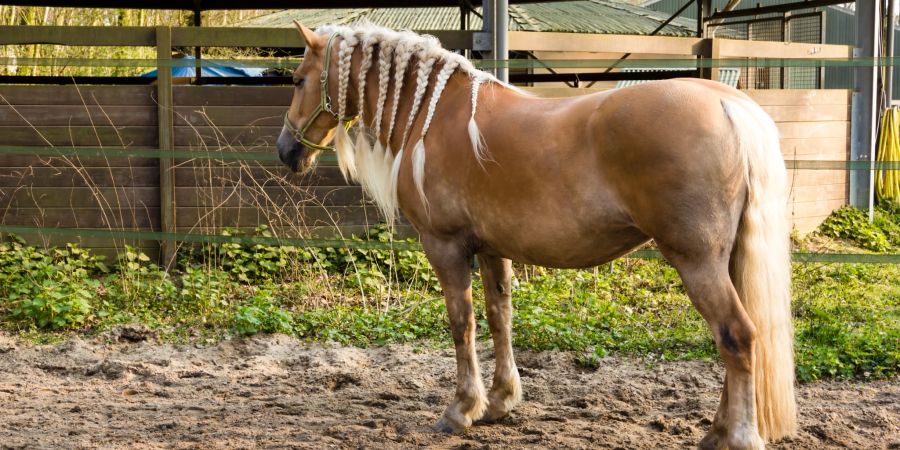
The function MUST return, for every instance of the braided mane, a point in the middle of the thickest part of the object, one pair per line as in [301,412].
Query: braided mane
[375,165]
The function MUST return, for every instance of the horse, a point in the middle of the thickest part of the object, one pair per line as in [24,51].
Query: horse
[484,170]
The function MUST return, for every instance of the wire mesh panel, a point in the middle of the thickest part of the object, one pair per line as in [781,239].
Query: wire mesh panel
[765,30]
[804,28]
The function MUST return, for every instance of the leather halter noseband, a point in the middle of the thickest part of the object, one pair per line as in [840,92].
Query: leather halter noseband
[324,106]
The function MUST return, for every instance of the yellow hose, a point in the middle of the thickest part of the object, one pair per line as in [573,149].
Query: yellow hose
[887,181]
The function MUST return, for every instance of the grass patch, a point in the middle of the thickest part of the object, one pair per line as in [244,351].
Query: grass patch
[847,316]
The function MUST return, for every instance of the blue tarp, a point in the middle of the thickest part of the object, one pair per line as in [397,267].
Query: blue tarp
[211,71]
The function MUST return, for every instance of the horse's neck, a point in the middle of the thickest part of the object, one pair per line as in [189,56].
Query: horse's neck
[459,84]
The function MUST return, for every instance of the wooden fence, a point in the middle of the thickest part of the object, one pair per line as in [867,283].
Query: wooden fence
[202,195]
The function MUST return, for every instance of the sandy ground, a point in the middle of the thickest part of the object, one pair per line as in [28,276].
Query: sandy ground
[126,391]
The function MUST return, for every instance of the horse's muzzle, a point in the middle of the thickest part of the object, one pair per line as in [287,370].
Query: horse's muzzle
[290,152]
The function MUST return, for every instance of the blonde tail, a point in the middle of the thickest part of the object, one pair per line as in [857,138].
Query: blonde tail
[761,269]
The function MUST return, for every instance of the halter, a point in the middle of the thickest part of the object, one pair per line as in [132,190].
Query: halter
[324,106]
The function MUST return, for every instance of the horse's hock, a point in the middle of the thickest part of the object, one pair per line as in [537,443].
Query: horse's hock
[209,194]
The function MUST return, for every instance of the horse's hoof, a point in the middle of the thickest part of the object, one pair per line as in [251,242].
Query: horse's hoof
[493,415]
[448,427]
[488,420]
[712,441]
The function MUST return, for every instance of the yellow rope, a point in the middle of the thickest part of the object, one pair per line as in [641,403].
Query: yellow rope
[887,180]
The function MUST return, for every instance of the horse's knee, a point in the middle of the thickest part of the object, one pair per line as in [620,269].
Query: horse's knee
[735,339]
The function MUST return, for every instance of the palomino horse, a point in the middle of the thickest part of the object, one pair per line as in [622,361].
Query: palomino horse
[482,169]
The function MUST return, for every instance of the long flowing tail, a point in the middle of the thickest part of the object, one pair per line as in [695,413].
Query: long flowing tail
[761,270]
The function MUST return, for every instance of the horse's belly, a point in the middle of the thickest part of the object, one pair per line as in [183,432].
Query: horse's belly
[563,248]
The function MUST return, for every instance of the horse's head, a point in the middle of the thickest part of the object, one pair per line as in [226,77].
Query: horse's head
[310,122]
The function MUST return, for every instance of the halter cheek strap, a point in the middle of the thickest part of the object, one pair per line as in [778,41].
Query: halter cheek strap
[324,106]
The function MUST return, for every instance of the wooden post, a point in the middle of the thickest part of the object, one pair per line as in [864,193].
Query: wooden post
[166,142]
[714,57]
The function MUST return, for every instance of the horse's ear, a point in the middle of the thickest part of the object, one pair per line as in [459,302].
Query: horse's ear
[311,39]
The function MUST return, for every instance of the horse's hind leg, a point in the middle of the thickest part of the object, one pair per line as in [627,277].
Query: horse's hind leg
[709,287]
[506,390]
[451,264]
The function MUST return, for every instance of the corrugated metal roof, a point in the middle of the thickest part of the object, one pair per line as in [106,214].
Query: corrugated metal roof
[585,16]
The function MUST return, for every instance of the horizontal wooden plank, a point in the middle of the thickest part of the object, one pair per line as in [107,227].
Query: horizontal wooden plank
[794,130]
[299,216]
[251,176]
[794,97]
[815,208]
[81,136]
[732,48]
[93,176]
[835,148]
[232,95]
[613,43]
[103,197]
[797,178]
[77,115]
[83,35]
[806,225]
[836,191]
[268,196]
[20,161]
[78,95]
[82,218]
[253,136]
[808,113]
[272,116]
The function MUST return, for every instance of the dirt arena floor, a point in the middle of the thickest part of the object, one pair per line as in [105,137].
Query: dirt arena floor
[124,390]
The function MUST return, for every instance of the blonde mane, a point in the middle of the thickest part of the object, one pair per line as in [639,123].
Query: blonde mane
[366,159]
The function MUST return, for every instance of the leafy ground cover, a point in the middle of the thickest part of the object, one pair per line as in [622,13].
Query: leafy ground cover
[846,315]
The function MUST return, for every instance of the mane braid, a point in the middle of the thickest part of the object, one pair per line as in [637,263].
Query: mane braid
[385,56]
[342,144]
[363,148]
[370,161]
[402,55]
[426,65]
[368,47]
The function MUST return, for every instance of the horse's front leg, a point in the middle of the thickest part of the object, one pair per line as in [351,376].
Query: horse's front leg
[506,390]
[451,264]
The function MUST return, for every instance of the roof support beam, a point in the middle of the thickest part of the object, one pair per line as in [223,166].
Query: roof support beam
[501,39]
[785,7]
